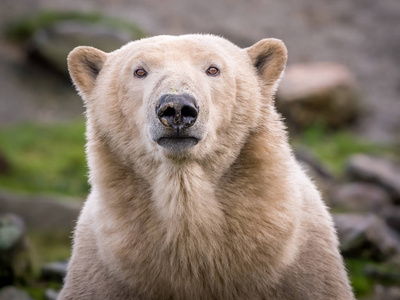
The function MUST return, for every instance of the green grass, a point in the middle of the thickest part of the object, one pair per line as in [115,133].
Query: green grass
[45,158]
[50,158]
[21,30]
[363,280]
[334,147]
[361,283]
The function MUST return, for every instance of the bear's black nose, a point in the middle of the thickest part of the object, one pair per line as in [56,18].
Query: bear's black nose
[177,111]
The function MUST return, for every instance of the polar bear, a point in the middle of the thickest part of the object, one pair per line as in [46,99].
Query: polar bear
[195,192]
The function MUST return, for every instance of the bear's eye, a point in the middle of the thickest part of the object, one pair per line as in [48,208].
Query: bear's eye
[212,71]
[140,73]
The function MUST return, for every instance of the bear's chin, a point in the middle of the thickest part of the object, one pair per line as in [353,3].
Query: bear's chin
[177,144]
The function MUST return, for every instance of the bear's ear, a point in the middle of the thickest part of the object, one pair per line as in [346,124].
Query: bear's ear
[84,64]
[269,57]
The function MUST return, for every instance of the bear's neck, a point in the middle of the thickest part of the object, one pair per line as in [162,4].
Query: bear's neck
[185,201]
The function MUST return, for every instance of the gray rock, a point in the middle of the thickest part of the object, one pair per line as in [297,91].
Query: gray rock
[42,213]
[54,271]
[305,155]
[51,294]
[326,93]
[367,235]
[13,293]
[15,253]
[360,197]
[323,184]
[12,230]
[388,273]
[318,172]
[54,43]
[381,171]
[386,293]
[392,217]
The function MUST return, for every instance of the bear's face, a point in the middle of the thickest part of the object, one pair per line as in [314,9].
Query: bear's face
[176,97]
[180,95]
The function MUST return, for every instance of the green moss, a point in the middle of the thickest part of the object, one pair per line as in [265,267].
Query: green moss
[45,158]
[36,289]
[22,30]
[50,246]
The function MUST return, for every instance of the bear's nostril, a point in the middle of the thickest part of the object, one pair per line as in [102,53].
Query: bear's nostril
[189,111]
[169,112]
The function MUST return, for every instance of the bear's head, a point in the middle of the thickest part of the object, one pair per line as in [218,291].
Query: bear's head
[177,98]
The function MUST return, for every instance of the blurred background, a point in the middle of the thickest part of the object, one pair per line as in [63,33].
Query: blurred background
[340,97]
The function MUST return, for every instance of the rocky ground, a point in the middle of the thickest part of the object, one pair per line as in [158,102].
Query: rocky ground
[363,35]
[365,204]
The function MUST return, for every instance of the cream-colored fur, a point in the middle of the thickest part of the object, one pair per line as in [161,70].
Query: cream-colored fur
[233,217]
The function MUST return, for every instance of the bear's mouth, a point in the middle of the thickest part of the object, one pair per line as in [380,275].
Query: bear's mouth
[177,143]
